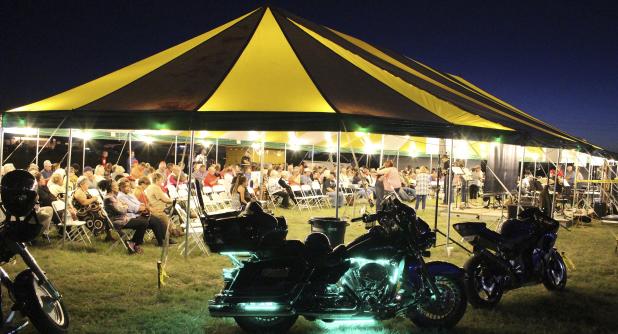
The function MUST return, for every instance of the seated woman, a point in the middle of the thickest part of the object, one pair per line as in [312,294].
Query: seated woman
[137,210]
[240,193]
[56,185]
[158,201]
[118,213]
[89,210]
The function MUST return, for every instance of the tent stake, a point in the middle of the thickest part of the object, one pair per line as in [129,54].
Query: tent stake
[338,170]
[189,182]
[66,194]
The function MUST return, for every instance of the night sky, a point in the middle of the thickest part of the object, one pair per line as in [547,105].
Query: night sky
[557,60]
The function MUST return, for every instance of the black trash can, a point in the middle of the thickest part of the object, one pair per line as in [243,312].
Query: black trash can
[333,228]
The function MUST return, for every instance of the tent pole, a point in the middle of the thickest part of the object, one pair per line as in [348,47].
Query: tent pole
[130,153]
[260,183]
[521,179]
[216,151]
[84,154]
[36,157]
[66,193]
[553,198]
[397,159]
[338,176]
[285,156]
[574,185]
[430,162]
[450,199]
[189,183]
[312,154]
[175,150]
[382,151]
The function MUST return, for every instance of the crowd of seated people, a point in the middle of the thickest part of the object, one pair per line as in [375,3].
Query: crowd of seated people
[140,200]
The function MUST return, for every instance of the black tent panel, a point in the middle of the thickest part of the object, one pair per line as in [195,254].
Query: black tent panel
[347,88]
[187,81]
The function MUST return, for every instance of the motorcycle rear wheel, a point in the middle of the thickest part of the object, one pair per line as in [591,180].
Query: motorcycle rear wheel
[446,311]
[265,325]
[482,289]
[555,275]
[47,315]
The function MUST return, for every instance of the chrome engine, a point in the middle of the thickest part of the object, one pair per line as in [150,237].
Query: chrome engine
[371,281]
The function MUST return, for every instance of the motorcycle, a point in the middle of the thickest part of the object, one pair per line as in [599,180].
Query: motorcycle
[31,292]
[521,254]
[380,275]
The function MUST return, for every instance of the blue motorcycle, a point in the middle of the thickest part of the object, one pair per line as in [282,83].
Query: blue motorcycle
[380,275]
[521,254]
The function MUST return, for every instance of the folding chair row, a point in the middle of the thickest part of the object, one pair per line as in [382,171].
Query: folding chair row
[194,232]
[75,229]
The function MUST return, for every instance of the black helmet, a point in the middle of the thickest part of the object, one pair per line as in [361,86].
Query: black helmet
[18,191]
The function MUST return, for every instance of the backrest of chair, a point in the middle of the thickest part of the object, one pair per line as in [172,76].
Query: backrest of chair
[250,190]
[218,188]
[181,212]
[295,188]
[306,189]
[172,191]
[207,190]
[58,205]
[94,192]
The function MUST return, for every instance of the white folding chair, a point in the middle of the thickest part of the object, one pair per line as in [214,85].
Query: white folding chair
[317,190]
[309,196]
[301,201]
[172,191]
[75,229]
[221,194]
[194,233]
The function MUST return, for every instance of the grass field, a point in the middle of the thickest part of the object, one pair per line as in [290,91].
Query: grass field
[116,293]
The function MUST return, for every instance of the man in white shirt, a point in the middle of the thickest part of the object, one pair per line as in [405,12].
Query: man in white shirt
[276,190]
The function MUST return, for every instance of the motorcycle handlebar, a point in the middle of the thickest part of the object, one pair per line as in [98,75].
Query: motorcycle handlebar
[365,218]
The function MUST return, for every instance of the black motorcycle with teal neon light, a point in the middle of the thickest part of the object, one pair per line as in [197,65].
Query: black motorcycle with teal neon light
[380,275]
[521,254]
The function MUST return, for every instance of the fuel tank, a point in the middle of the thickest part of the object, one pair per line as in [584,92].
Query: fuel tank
[373,245]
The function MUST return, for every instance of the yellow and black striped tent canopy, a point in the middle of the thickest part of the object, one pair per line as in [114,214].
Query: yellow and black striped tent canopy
[271,70]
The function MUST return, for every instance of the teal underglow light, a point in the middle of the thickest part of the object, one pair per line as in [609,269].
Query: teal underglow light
[362,261]
[264,306]
[344,323]
[236,253]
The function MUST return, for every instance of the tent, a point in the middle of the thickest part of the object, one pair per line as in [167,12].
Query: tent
[271,70]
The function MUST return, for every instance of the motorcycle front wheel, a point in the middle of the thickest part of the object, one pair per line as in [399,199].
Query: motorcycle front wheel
[266,324]
[482,286]
[555,276]
[443,311]
[46,314]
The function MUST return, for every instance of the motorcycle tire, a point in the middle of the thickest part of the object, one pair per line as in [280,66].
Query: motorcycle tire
[431,314]
[555,273]
[32,297]
[473,291]
[266,325]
